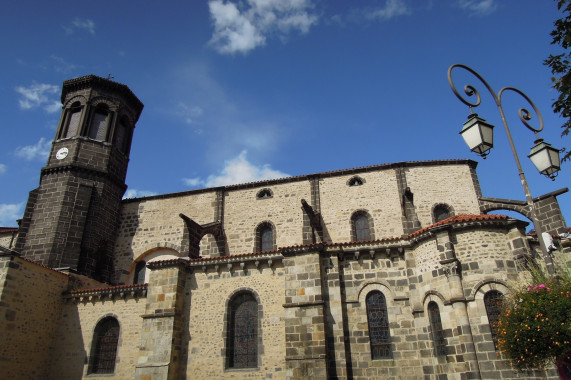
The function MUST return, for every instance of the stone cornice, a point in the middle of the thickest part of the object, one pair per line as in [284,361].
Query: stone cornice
[101,294]
[82,168]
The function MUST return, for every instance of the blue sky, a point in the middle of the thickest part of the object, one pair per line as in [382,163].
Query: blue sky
[238,91]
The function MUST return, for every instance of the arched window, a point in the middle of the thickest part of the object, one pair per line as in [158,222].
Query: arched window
[104,346]
[436,329]
[242,347]
[139,277]
[356,181]
[264,193]
[72,120]
[493,301]
[361,227]
[378,320]
[441,212]
[265,238]
[121,137]
[99,123]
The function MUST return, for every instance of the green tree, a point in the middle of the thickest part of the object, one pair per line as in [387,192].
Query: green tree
[560,65]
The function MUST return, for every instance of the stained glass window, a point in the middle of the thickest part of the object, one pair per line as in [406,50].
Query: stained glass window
[493,301]
[378,319]
[243,332]
[266,238]
[436,329]
[104,346]
[361,226]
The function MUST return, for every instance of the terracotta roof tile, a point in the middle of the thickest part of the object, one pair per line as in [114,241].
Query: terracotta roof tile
[462,218]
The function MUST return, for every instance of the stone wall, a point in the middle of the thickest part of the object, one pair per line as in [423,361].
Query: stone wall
[209,292]
[80,314]
[149,223]
[30,308]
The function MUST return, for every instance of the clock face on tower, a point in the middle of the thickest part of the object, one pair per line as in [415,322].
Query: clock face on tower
[62,153]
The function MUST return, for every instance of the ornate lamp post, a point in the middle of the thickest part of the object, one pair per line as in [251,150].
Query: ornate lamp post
[478,134]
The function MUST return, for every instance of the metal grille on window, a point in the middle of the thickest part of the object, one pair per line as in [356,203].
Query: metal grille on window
[243,332]
[105,340]
[98,129]
[362,231]
[379,333]
[436,329]
[266,239]
[73,123]
[493,301]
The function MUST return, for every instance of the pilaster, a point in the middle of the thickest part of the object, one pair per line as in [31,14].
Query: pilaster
[161,348]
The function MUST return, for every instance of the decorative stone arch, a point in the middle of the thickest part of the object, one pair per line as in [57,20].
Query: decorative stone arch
[481,288]
[258,235]
[355,181]
[153,254]
[433,295]
[353,220]
[226,324]
[438,209]
[265,194]
[110,102]
[488,205]
[95,342]
[77,98]
[380,285]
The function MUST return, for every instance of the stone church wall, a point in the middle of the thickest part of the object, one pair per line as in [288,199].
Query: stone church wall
[210,293]
[30,307]
[70,359]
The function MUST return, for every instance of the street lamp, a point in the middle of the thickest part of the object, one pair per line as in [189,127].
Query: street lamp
[478,134]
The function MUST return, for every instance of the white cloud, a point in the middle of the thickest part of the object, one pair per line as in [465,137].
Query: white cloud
[41,150]
[62,66]
[193,182]
[392,8]
[134,193]
[3,168]
[79,24]
[9,213]
[481,7]
[39,95]
[188,113]
[237,170]
[241,28]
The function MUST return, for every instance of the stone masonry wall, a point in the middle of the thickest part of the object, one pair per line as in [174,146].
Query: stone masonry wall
[30,310]
[378,196]
[450,184]
[209,293]
[154,222]
[70,358]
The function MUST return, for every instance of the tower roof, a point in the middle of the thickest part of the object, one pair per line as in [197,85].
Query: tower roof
[93,81]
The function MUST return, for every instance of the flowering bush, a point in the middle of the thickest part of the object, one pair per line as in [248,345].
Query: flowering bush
[534,329]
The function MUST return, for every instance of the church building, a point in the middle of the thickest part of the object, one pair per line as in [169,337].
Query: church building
[390,271]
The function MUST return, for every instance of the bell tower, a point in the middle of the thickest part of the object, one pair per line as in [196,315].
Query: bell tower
[71,219]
